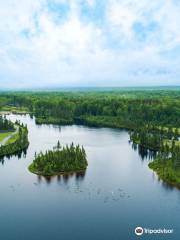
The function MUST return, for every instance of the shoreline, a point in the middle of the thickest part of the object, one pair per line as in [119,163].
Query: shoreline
[158,169]
[97,125]
[55,174]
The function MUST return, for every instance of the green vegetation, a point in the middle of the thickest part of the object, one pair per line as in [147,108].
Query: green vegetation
[13,109]
[6,125]
[52,120]
[4,135]
[112,108]
[60,160]
[151,114]
[7,129]
[166,171]
[104,121]
[14,137]
[17,143]
[155,138]
[166,142]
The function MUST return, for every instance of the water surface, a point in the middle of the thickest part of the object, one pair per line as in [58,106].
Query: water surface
[117,192]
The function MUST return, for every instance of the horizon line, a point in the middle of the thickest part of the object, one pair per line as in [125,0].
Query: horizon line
[54,88]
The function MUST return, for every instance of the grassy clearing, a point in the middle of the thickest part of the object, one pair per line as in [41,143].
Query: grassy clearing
[166,128]
[169,142]
[14,137]
[17,142]
[14,109]
[4,135]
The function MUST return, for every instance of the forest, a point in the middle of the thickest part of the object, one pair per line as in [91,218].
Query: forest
[6,125]
[17,143]
[166,142]
[151,115]
[120,109]
[59,160]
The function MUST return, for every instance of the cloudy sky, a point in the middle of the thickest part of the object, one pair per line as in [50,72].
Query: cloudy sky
[46,43]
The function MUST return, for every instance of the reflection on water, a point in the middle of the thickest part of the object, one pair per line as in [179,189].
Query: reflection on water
[79,176]
[144,153]
[49,126]
[19,155]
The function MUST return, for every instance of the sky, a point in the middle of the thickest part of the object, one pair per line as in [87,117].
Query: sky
[98,43]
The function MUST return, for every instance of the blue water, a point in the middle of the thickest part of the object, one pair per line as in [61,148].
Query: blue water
[117,193]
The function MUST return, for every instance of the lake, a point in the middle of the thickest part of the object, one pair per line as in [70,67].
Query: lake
[117,193]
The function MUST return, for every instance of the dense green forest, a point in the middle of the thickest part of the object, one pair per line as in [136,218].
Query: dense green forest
[17,143]
[154,137]
[152,115]
[126,108]
[60,160]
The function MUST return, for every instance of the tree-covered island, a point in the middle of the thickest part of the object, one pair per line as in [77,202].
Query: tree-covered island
[60,160]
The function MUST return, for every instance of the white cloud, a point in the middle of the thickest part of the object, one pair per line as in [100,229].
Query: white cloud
[91,2]
[36,50]
[122,18]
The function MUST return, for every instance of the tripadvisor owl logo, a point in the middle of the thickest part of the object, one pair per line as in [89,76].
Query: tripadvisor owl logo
[139,231]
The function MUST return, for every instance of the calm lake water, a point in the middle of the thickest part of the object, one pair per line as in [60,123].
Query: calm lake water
[117,193]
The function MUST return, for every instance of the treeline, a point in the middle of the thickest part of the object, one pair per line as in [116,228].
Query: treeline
[6,125]
[167,164]
[113,109]
[60,160]
[153,115]
[163,140]
[154,137]
[166,142]
[21,142]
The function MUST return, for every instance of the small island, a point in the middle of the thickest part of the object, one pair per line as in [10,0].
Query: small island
[60,160]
